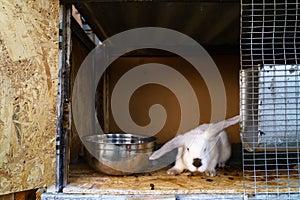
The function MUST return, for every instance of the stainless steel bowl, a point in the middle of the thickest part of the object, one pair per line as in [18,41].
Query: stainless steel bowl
[119,154]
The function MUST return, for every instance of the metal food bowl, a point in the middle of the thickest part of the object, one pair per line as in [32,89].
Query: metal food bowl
[119,154]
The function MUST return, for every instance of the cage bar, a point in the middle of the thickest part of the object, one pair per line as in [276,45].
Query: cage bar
[270,99]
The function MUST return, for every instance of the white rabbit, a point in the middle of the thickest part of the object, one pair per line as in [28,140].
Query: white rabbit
[200,149]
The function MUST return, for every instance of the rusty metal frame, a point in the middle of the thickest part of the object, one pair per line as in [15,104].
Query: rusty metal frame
[63,105]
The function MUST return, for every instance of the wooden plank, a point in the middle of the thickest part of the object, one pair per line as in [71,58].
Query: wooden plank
[150,94]
[51,196]
[28,90]
[7,197]
[81,46]
[21,195]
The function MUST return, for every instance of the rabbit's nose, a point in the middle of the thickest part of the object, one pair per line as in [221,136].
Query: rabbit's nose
[197,162]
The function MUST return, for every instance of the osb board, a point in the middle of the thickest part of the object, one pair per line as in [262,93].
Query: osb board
[28,90]
[85,180]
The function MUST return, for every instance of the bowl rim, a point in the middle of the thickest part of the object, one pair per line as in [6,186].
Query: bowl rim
[132,138]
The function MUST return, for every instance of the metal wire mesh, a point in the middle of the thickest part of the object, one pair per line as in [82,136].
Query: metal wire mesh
[270,98]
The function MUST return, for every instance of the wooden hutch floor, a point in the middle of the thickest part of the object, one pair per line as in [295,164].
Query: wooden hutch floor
[83,179]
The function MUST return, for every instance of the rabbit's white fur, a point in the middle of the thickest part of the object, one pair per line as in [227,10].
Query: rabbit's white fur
[200,149]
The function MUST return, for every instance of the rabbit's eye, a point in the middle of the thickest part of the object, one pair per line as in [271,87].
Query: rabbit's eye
[204,149]
[188,149]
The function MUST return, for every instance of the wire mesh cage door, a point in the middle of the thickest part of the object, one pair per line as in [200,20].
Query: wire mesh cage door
[270,98]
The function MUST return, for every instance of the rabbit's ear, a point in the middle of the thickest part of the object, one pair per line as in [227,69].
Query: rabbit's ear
[176,142]
[215,128]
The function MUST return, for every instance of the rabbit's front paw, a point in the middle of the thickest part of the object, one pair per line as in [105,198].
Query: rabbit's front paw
[211,172]
[202,169]
[174,171]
